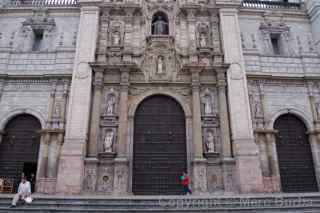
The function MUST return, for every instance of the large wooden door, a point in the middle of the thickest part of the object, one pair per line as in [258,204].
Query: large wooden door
[19,148]
[294,154]
[160,154]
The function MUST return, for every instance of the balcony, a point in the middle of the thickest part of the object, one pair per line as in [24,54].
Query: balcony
[41,3]
[272,4]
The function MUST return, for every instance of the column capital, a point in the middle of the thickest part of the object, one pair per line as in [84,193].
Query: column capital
[230,11]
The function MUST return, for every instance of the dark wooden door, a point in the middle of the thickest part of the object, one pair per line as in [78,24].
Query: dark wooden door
[294,155]
[160,154]
[19,148]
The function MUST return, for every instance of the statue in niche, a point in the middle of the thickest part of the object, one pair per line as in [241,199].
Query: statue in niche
[108,141]
[111,104]
[160,65]
[210,142]
[208,105]
[160,26]
[202,39]
[257,106]
[116,38]
[57,110]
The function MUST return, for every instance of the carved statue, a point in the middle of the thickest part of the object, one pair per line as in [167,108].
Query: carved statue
[111,103]
[208,105]
[160,65]
[210,142]
[257,106]
[160,26]
[57,110]
[202,39]
[116,38]
[108,141]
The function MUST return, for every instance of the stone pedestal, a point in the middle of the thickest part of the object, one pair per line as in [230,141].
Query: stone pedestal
[121,176]
[228,172]
[199,176]
[245,150]
[46,185]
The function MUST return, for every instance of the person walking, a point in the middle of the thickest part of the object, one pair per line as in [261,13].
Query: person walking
[185,182]
[24,191]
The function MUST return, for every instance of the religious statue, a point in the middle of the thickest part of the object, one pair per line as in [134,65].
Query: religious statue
[208,105]
[160,26]
[202,40]
[57,110]
[210,142]
[160,65]
[116,38]
[111,102]
[257,110]
[108,141]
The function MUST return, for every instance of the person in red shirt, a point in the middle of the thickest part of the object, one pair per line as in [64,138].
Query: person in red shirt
[185,182]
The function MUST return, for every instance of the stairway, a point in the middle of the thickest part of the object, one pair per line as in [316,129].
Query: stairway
[268,203]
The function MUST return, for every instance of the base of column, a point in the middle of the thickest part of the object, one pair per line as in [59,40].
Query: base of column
[228,172]
[46,185]
[199,174]
[121,176]
[248,169]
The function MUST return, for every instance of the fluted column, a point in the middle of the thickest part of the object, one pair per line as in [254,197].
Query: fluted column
[121,167]
[92,149]
[223,114]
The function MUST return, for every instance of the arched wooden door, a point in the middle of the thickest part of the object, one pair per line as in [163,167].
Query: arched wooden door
[294,155]
[159,148]
[19,148]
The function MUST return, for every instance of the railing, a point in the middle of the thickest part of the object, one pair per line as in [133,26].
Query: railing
[271,4]
[42,3]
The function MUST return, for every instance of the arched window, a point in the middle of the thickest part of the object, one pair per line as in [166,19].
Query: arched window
[160,24]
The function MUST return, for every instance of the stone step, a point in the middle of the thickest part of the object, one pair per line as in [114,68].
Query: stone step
[237,203]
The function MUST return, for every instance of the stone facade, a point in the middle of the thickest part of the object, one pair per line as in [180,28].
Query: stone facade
[83,68]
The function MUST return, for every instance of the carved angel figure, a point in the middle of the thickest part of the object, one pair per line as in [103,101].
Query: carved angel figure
[111,104]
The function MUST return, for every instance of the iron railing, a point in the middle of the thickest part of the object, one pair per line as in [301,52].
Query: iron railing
[271,4]
[43,3]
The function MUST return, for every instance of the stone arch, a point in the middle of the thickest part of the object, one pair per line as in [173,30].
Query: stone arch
[294,153]
[8,116]
[298,113]
[178,98]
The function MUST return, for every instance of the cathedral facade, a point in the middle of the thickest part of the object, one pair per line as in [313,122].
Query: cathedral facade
[120,97]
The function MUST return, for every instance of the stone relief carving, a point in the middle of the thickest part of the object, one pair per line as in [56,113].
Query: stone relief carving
[90,178]
[200,182]
[160,62]
[57,110]
[105,179]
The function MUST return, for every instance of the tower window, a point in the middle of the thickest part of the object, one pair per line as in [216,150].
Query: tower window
[275,41]
[38,37]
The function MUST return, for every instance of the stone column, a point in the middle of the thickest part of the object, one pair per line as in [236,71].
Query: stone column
[245,149]
[199,163]
[121,169]
[71,165]
[228,162]
[95,114]
[54,152]
[43,154]
[314,138]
